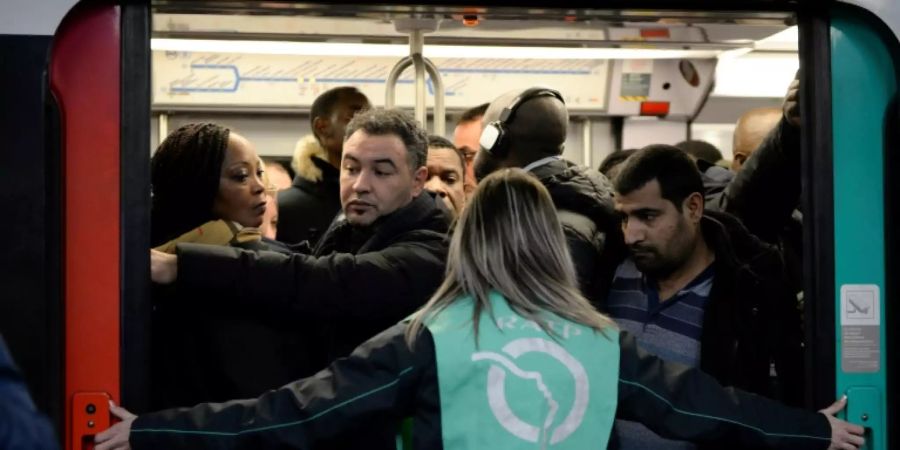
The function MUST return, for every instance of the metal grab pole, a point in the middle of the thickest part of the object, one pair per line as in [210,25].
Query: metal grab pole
[440,116]
[416,42]
[391,84]
[390,93]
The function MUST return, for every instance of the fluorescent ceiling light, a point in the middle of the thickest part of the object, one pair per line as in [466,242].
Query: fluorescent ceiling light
[786,40]
[431,51]
[755,75]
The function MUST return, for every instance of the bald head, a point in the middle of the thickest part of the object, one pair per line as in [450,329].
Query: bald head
[535,130]
[538,125]
[750,131]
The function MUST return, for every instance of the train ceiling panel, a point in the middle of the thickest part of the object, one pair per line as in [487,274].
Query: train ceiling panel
[271,56]
[390,11]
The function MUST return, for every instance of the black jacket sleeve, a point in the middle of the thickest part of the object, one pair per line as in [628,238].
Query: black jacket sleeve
[379,380]
[679,402]
[766,191]
[387,283]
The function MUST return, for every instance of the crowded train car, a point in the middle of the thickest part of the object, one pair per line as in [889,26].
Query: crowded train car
[297,202]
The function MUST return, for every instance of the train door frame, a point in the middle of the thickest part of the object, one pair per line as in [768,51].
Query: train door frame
[135,204]
[865,54]
[817,201]
[132,215]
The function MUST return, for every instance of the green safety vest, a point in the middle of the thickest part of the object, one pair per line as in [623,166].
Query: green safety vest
[521,388]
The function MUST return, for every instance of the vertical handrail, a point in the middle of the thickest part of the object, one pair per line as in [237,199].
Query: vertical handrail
[416,43]
[391,83]
[440,116]
[390,93]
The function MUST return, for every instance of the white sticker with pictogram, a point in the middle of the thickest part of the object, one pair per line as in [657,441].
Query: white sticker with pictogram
[860,304]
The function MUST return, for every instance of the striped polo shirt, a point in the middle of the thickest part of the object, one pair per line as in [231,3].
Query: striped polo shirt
[669,329]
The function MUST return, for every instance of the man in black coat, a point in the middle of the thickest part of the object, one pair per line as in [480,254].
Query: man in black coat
[697,288]
[376,264]
[765,192]
[307,208]
[534,123]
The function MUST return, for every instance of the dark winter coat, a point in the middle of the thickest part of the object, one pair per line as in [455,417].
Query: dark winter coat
[584,201]
[765,195]
[205,349]
[751,320]
[355,283]
[307,208]
[385,381]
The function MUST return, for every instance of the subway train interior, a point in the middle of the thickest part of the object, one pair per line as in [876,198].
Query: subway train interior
[112,79]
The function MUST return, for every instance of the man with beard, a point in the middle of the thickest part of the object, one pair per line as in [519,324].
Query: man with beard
[697,288]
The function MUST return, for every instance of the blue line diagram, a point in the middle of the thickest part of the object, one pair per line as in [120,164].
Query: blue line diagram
[238,79]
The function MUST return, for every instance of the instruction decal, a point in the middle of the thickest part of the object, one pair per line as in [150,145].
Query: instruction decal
[860,328]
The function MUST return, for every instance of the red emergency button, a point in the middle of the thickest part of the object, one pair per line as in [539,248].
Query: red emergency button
[654,108]
[658,33]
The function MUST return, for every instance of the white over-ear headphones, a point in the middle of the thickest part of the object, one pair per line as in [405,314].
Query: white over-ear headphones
[494,138]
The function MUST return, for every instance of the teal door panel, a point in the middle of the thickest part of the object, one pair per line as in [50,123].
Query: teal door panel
[864,81]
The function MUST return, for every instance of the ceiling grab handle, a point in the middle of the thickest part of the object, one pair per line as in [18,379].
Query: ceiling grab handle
[437,83]
[391,85]
[416,27]
[440,118]
[416,42]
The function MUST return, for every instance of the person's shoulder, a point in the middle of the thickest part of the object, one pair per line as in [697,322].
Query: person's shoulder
[393,344]
[426,214]
[746,248]
[290,195]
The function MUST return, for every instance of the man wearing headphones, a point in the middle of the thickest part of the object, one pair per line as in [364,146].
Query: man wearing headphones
[527,129]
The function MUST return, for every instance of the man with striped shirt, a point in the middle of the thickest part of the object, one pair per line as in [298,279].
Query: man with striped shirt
[696,287]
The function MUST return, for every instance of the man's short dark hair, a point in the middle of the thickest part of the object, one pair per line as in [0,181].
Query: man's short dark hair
[324,104]
[380,122]
[475,113]
[676,173]
[701,150]
[435,141]
[614,159]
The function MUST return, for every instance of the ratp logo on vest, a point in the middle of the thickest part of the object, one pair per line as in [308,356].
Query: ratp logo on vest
[502,363]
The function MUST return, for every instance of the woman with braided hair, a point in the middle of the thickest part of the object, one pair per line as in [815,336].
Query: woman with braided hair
[208,187]
[203,172]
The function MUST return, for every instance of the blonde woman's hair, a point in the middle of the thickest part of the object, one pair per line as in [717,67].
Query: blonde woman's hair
[508,239]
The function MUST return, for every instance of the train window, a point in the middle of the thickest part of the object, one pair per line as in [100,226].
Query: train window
[259,70]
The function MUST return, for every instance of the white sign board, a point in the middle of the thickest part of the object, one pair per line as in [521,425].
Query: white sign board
[192,79]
